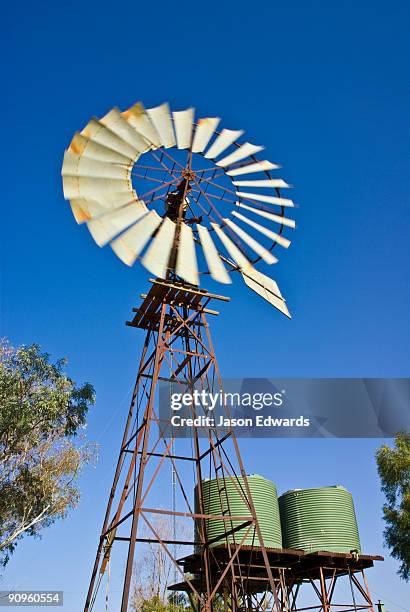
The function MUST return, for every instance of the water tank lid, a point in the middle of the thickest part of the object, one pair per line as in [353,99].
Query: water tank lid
[338,486]
[207,479]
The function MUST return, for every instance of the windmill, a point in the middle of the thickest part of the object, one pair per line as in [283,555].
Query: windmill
[188,200]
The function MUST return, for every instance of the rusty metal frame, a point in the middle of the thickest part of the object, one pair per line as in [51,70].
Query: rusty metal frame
[322,586]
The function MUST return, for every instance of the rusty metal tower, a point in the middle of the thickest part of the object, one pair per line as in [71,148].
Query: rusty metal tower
[178,348]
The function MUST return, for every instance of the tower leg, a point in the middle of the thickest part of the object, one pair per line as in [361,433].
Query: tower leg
[325,600]
[118,469]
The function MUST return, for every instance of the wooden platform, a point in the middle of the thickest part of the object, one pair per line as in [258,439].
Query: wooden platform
[177,294]
[298,565]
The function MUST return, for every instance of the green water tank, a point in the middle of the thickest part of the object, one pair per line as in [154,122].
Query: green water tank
[319,519]
[221,494]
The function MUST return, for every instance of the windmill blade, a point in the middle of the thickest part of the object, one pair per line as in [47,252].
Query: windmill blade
[183,123]
[273,183]
[87,209]
[232,249]
[99,189]
[161,118]
[82,146]
[265,287]
[156,259]
[77,165]
[284,242]
[222,142]
[258,282]
[214,263]
[130,244]
[139,120]
[259,166]
[203,133]
[268,215]
[120,126]
[252,243]
[263,198]
[244,151]
[186,265]
[96,131]
[104,228]
[84,210]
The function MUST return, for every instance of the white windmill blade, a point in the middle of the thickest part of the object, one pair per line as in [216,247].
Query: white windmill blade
[284,242]
[82,146]
[94,188]
[139,120]
[258,282]
[80,165]
[203,133]
[231,247]
[96,131]
[268,215]
[99,189]
[242,152]
[214,262]
[120,126]
[252,243]
[161,118]
[264,198]
[259,166]
[129,245]
[85,210]
[105,228]
[186,265]
[265,287]
[183,123]
[156,259]
[272,183]
[222,142]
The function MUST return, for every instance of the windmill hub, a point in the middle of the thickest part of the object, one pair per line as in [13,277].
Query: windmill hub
[188,174]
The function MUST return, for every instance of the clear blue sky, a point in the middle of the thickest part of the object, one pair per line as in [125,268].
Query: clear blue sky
[324,86]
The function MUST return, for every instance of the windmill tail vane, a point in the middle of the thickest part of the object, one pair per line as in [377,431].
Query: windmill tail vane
[179,195]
